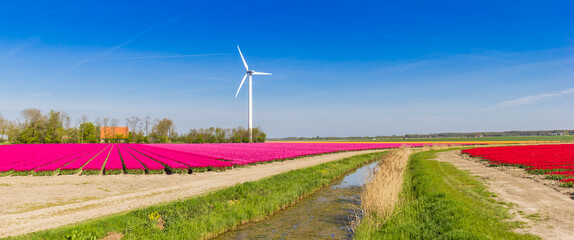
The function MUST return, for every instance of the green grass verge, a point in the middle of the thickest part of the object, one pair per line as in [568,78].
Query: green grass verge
[113,171]
[216,212]
[151,171]
[136,171]
[195,170]
[442,202]
[21,173]
[44,173]
[68,171]
[91,172]
[171,170]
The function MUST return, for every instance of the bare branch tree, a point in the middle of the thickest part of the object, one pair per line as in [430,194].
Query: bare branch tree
[66,124]
[3,126]
[98,124]
[134,123]
[147,123]
[114,124]
[105,123]
[82,122]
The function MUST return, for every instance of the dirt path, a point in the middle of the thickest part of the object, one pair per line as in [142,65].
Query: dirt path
[548,213]
[33,203]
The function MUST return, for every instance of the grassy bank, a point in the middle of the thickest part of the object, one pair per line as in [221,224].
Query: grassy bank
[438,201]
[213,213]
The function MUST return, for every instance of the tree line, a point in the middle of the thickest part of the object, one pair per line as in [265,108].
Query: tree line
[59,127]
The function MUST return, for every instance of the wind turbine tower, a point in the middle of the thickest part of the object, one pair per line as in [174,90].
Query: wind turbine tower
[249,74]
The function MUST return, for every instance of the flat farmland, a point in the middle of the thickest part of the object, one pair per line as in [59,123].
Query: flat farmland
[46,186]
[33,203]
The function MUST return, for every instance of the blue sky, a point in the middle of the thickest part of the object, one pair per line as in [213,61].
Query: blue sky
[340,68]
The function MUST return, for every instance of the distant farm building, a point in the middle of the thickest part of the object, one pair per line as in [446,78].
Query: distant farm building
[114,132]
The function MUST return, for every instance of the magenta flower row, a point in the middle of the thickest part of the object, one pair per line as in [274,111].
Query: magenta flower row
[46,159]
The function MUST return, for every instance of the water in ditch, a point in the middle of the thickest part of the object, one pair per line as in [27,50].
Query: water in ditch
[326,214]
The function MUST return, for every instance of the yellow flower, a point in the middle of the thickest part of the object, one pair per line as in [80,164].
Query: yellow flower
[233,202]
[153,216]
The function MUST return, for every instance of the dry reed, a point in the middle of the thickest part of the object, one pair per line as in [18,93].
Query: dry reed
[383,184]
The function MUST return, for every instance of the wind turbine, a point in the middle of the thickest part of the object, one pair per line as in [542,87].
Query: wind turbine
[249,74]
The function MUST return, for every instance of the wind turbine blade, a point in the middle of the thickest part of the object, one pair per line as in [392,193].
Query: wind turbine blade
[242,81]
[261,73]
[244,63]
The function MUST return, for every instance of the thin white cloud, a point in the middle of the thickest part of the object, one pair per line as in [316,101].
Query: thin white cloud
[530,99]
[63,9]
[114,48]
[167,56]
[18,48]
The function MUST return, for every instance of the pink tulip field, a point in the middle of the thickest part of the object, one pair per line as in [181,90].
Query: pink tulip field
[95,159]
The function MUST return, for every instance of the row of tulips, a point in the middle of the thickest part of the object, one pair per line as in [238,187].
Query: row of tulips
[245,154]
[567,182]
[555,161]
[95,159]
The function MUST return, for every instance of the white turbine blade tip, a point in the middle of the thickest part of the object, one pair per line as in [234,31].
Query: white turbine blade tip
[242,58]
[242,81]
[261,73]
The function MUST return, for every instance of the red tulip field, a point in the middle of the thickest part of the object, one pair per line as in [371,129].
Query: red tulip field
[108,159]
[555,161]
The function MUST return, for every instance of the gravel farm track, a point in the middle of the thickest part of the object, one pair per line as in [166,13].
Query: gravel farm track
[547,210]
[33,203]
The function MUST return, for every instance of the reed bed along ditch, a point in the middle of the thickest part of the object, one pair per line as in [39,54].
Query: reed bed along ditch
[383,184]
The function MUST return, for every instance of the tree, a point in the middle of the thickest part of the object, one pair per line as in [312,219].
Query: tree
[240,135]
[88,133]
[220,135]
[162,130]
[82,121]
[3,127]
[114,124]
[98,124]
[67,127]
[13,131]
[33,127]
[105,122]
[54,128]
[147,124]
[258,135]
[134,124]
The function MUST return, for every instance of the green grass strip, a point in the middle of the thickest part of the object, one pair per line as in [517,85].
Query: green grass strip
[214,213]
[442,202]
[150,171]
[44,173]
[136,171]
[113,171]
[6,173]
[22,173]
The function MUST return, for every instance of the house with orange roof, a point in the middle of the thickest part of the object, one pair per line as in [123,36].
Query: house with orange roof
[114,133]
